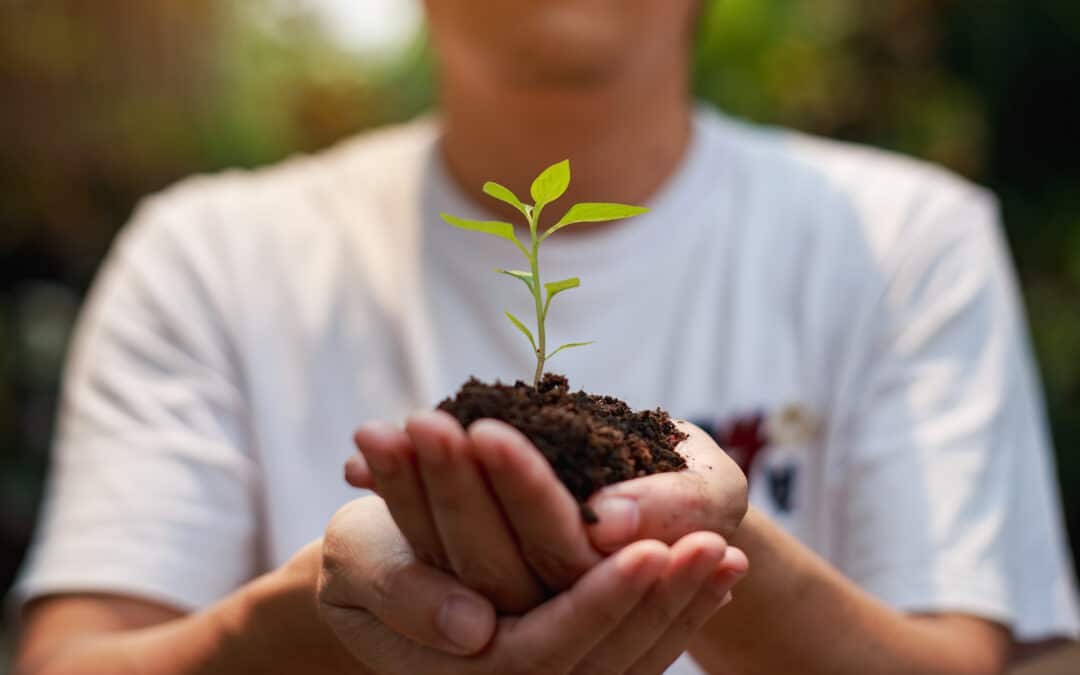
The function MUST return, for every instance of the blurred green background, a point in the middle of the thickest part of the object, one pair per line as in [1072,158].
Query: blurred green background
[102,102]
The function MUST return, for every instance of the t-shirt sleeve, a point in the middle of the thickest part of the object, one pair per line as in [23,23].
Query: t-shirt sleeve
[945,488]
[151,491]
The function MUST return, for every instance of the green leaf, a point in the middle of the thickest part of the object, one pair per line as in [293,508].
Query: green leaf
[505,194]
[499,229]
[527,277]
[556,287]
[590,212]
[551,184]
[523,328]
[569,346]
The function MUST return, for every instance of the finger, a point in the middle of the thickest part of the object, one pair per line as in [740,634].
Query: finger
[368,565]
[544,516]
[477,539]
[372,644]
[694,558]
[389,453]
[733,569]
[735,562]
[714,594]
[358,473]
[710,495]
[558,634]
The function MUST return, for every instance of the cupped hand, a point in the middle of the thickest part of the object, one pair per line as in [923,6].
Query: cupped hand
[485,505]
[633,613]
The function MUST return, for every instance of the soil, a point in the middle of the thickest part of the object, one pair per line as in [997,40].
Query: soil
[591,441]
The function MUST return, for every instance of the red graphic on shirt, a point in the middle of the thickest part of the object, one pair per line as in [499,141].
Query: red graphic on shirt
[743,439]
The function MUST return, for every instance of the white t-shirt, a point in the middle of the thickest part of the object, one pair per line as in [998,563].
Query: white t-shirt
[846,321]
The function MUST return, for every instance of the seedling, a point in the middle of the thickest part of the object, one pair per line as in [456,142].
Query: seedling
[548,187]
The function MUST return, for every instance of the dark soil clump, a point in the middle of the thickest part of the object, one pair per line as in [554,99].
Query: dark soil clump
[590,440]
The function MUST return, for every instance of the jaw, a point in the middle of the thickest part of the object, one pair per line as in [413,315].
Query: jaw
[558,43]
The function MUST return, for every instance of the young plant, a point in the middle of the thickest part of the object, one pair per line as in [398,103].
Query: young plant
[548,187]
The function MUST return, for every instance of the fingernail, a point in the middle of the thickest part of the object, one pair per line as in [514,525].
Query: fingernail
[376,427]
[465,622]
[618,521]
[356,469]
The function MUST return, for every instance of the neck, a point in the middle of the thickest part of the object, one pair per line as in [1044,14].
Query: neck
[624,137]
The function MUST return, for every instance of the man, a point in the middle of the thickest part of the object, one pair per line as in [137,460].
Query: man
[903,517]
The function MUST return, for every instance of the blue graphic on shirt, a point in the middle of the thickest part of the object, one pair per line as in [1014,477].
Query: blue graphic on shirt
[781,481]
[745,439]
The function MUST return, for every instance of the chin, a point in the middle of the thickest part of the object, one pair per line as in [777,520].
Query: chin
[561,70]
[558,42]
[565,49]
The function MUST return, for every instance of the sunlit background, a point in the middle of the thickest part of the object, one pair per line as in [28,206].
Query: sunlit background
[102,102]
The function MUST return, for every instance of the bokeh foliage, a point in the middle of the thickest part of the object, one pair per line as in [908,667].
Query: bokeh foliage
[103,102]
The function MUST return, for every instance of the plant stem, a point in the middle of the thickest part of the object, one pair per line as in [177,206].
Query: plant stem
[541,345]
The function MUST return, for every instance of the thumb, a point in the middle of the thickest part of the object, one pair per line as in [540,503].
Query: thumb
[367,566]
[665,507]
[709,495]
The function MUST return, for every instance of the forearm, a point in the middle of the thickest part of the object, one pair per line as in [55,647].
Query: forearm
[795,613]
[268,625]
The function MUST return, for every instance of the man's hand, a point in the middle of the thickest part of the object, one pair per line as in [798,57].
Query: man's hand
[485,504]
[634,612]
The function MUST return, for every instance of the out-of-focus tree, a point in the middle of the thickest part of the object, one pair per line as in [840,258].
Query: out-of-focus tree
[106,101]
[871,71]
[99,102]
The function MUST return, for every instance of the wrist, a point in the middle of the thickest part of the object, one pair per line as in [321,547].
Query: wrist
[273,624]
[771,571]
[747,532]
[780,566]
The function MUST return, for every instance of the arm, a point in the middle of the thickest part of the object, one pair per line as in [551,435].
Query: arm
[941,498]
[153,482]
[270,624]
[332,609]
[790,611]
[795,613]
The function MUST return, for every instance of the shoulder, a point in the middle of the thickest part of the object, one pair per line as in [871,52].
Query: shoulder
[850,240]
[888,202]
[293,205]
[855,224]
[367,163]
[281,245]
